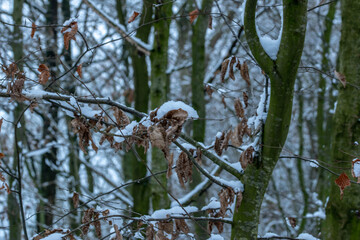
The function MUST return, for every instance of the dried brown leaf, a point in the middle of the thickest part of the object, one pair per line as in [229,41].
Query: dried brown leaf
[246,157]
[150,232]
[1,122]
[97,225]
[44,74]
[239,198]
[117,232]
[292,222]
[157,137]
[69,33]
[223,101]
[79,70]
[239,110]
[82,128]
[121,118]
[193,15]
[210,22]
[209,90]
[342,181]
[341,77]
[245,99]
[224,67]
[184,169]
[33,30]
[133,17]
[75,199]
[166,226]
[170,163]
[231,68]
[88,215]
[181,226]
[226,197]
[245,73]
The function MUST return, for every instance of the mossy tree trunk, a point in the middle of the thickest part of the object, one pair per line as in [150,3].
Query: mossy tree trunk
[197,90]
[13,207]
[158,94]
[49,159]
[342,216]
[133,169]
[323,117]
[282,73]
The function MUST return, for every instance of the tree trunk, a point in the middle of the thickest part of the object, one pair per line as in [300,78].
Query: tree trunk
[158,95]
[133,169]
[48,174]
[323,117]
[342,216]
[13,207]
[282,73]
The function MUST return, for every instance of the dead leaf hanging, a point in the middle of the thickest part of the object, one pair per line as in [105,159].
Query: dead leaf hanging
[69,33]
[133,17]
[44,74]
[342,181]
[79,70]
[33,30]
[193,15]
[341,77]
[245,73]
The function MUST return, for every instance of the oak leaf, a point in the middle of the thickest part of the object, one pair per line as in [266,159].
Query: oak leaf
[224,67]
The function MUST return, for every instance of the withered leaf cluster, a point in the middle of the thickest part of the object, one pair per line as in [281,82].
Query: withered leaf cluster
[69,33]
[16,85]
[230,64]
[90,215]
[171,227]
[82,128]
[184,169]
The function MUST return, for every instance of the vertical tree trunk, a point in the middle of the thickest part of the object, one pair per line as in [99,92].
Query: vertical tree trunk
[323,117]
[282,73]
[133,169]
[48,174]
[13,207]
[158,92]
[342,217]
[197,90]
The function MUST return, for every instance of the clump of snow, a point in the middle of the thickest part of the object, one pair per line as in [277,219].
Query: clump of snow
[314,163]
[54,236]
[271,46]
[214,204]
[356,167]
[128,130]
[175,105]
[35,93]
[174,211]
[320,213]
[69,21]
[270,235]
[306,236]
[215,237]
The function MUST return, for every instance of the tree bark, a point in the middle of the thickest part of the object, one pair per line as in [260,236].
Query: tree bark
[48,174]
[342,217]
[158,95]
[13,207]
[282,73]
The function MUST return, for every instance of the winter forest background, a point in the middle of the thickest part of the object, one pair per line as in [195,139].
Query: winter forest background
[176,119]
